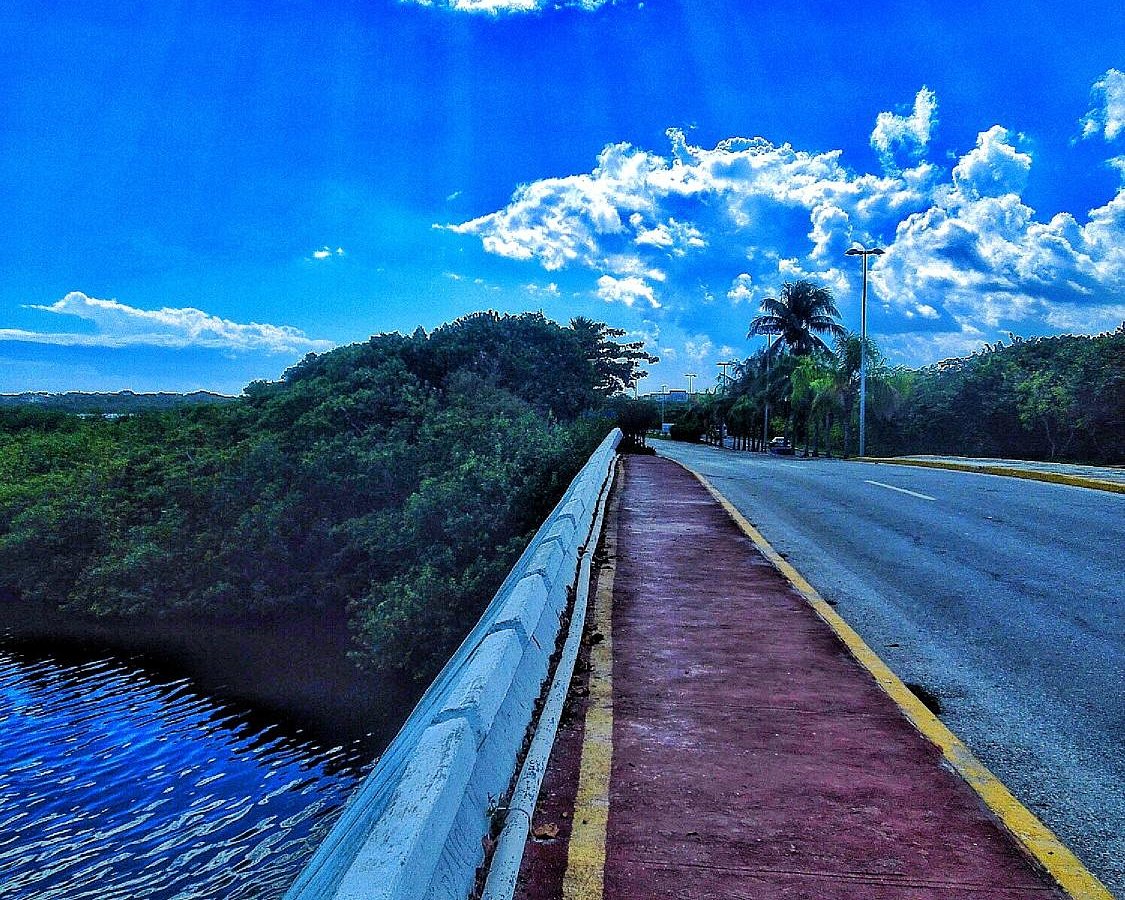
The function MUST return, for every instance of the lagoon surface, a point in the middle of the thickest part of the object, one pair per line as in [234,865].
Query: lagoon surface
[117,783]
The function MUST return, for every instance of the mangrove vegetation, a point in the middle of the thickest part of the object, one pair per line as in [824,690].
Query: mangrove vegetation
[392,482]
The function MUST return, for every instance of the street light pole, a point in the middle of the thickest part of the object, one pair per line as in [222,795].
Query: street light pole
[690,376]
[859,250]
[766,414]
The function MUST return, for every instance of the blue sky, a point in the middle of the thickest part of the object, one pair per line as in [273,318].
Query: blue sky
[195,194]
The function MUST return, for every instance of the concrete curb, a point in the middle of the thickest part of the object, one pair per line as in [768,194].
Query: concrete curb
[1028,474]
[416,827]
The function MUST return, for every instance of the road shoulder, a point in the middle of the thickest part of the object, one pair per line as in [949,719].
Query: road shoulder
[1004,468]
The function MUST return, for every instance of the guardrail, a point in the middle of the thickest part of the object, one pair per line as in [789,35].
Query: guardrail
[415,828]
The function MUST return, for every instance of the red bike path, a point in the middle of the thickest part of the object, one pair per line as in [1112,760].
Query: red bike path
[751,756]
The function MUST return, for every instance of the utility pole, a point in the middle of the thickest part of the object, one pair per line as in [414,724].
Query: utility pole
[725,380]
[766,412]
[860,250]
[690,376]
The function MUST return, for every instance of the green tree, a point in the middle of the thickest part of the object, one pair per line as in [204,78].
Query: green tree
[799,316]
[617,366]
[395,479]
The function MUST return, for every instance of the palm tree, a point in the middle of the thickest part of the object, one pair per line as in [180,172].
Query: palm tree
[809,385]
[799,316]
[886,387]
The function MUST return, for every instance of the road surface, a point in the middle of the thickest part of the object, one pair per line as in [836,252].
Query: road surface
[1003,597]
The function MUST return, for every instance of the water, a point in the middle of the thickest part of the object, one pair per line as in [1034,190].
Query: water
[117,785]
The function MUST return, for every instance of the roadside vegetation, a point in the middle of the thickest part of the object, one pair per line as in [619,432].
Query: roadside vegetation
[1052,398]
[396,480]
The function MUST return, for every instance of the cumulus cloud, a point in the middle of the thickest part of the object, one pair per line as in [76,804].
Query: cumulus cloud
[327,252]
[504,7]
[118,325]
[992,168]
[985,259]
[1107,118]
[741,289]
[662,222]
[964,252]
[912,132]
[934,346]
[626,290]
[675,237]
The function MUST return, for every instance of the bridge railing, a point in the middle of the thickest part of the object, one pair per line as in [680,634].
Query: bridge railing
[415,828]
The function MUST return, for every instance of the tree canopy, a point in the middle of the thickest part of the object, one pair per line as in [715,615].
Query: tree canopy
[801,313]
[397,478]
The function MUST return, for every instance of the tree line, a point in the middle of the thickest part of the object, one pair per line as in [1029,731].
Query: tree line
[1048,398]
[397,479]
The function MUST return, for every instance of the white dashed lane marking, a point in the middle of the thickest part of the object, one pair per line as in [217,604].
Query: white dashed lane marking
[891,487]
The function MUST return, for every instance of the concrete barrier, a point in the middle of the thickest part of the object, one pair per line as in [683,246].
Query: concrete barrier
[415,828]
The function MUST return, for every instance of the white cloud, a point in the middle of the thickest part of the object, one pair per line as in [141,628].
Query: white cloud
[660,223]
[929,347]
[675,237]
[501,7]
[561,221]
[987,261]
[700,349]
[831,231]
[327,252]
[118,325]
[911,132]
[626,290]
[992,168]
[964,252]
[1107,118]
[550,289]
[741,289]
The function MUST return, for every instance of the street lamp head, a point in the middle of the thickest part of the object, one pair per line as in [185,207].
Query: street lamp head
[857,250]
[854,251]
[878,251]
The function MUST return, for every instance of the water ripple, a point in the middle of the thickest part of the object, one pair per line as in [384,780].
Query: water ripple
[118,786]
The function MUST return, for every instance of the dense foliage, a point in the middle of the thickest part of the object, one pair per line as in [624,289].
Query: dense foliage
[112,402]
[798,316]
[398,478]
[1044,398]
[1051,398]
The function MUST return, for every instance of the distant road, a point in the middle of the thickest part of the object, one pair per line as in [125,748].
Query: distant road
[1004,597]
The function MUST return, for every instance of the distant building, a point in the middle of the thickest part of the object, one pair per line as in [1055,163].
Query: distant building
[674,396]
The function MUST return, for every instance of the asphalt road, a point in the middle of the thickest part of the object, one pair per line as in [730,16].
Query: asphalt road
[1003,597]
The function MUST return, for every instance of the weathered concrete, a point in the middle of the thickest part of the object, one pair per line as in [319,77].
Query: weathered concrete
[416,828]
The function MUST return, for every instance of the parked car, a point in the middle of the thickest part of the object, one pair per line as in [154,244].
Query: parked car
[780,446]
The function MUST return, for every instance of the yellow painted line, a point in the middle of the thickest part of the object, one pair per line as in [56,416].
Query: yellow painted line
[1114,487]
[585,865]
[1035,837]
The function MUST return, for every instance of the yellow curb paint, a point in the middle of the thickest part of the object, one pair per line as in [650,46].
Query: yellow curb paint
[585,865]
[1114,487]
[1035,837]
